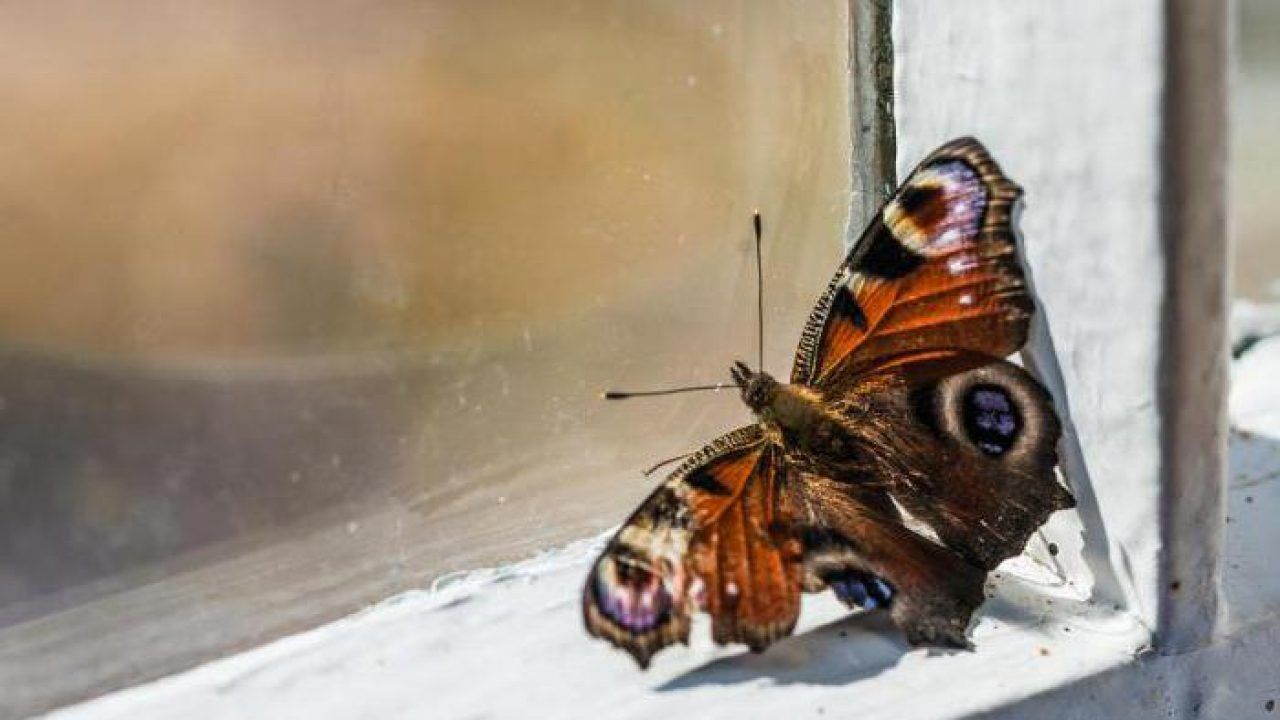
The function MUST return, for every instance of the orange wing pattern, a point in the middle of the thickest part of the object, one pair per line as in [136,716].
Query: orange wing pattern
[936,273]
[749,575]
[702,541]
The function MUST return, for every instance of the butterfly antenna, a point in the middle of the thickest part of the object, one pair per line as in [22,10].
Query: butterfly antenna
[623,395]
[668,461]
[755,223]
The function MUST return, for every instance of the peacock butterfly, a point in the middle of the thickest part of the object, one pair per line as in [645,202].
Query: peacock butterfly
[899,401]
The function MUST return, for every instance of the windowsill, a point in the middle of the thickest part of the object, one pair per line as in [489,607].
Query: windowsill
[502,642]
[509,641]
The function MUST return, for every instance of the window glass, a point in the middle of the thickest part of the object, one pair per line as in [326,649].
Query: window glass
[314,300]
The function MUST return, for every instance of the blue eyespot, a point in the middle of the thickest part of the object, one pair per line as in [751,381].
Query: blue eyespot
[862,589]
[991,419]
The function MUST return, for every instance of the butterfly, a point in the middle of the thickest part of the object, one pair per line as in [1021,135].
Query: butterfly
[901,463]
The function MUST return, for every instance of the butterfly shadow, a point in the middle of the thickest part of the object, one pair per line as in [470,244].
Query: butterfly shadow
[853,648]
[1040,356]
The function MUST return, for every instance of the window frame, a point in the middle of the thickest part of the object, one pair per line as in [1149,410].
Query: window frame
[1072,106]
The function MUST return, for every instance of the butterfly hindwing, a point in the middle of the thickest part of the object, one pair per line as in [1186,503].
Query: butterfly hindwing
[990,481]
[702,540]
[935,269]
[970,453]
[864,553]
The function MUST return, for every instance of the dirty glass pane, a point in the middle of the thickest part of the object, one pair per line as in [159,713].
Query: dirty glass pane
[306,303]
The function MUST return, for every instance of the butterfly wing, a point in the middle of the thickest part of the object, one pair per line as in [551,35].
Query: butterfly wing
[936,271]
[971,453]
[859,548]
[907,343]
[704,539]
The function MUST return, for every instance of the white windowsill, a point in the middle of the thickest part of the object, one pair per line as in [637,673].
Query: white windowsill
[504,642]
[509,642]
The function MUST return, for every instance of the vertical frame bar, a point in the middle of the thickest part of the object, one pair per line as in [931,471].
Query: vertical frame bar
[1193,371]
[873,172]
[1113,117]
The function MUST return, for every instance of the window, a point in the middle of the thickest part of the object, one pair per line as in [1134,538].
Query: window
[506,234]
[309,304]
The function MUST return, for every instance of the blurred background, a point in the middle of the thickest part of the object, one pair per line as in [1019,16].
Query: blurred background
[1255,153]
[303,304]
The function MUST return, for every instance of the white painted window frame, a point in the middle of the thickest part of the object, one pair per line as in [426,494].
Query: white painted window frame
[1114,116]
[1120,140]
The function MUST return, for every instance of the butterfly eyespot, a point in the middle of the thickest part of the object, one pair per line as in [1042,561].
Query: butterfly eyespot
[991,419]
[856,588]
[998,410]
[631,595]
[940,208]
[924,203]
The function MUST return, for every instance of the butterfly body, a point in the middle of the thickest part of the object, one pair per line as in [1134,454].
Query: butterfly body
[793,416]
[814,434]
[902,461]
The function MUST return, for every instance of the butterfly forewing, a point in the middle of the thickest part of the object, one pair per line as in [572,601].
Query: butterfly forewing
[935,270]
[702,540]
[747,574]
